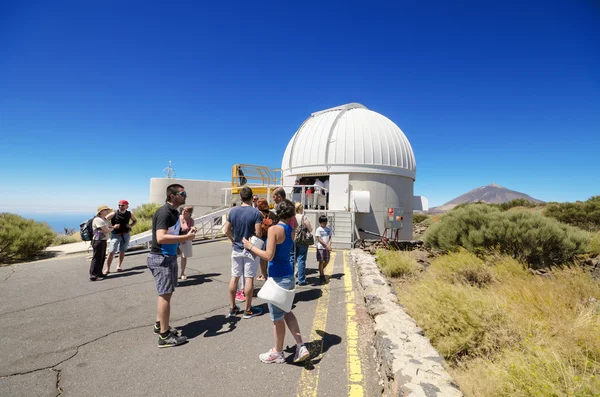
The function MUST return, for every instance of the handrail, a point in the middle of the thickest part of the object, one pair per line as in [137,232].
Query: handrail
[206,224]
[254,175]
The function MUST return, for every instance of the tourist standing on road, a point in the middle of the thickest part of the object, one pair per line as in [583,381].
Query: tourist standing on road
[244,222]
[187,222]
[301,249]
[119,238]
[323,235]
[279,244]
[101,229]
[255,201]
[269,219]
[162,261]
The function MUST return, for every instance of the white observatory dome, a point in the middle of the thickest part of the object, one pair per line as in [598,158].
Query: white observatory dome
[348,139]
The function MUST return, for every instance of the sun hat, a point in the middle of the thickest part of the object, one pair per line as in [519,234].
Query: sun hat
[102,208]
[124,202]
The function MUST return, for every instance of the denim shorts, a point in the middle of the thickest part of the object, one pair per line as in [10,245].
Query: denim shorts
[284,282]
[118,243]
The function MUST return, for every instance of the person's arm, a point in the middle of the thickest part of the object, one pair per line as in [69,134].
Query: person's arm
[229,231]
[133,221]
[329,242]
[162,237]
[258,230]
[106,229]
[269,253]
[110,216]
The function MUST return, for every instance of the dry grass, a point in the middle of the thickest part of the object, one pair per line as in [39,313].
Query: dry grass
[506,332]
[61,239]
[594,247]
[397,263]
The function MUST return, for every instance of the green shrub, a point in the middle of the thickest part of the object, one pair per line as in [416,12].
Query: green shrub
[145,211]
[532,238]
[142,225]
[583,214]
[397,263]
[594,247]
[22,239]
[418,218]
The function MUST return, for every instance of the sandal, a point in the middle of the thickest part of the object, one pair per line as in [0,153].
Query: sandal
[183,277]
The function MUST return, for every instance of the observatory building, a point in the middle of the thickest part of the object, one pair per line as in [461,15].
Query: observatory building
[367,164]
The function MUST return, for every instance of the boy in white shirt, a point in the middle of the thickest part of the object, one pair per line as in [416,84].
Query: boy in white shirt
[323,234]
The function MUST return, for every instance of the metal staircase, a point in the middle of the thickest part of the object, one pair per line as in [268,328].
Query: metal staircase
[341,224]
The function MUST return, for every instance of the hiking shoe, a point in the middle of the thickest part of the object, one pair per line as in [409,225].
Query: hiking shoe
[171,329]
[172,339]
[272,357]
[302,354]
[234,312]
[240,297]
[254,311]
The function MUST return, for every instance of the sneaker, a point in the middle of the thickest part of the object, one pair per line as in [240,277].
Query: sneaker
[253,312]
[172,339]
[302,284]
[272,357]
[183,277]
[240,297]
[302,354]
[156,329]
[233,312]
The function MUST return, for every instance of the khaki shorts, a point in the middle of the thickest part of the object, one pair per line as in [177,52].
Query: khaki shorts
[243,264]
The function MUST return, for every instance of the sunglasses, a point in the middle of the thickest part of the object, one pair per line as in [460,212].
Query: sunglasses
[182,194]
[121,205]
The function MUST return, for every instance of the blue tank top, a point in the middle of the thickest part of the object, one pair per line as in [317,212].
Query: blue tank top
[280,265]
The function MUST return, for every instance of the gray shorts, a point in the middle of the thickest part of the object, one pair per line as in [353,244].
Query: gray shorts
[164,269]
[118,243]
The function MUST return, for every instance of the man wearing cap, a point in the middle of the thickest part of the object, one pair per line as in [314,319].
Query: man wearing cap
[119,239]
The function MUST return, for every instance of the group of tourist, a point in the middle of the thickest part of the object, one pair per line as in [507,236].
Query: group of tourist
[261,240]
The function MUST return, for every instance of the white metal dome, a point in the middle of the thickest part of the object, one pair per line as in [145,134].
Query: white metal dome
[348,138]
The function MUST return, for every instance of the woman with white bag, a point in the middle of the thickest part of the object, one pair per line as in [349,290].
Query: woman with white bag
[279,245]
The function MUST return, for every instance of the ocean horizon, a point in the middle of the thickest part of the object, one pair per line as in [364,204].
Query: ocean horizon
[58,221]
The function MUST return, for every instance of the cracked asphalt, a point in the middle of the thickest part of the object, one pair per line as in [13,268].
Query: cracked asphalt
[63,335]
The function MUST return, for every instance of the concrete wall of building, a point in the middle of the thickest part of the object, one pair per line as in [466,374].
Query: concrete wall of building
[386,191]
[204,196]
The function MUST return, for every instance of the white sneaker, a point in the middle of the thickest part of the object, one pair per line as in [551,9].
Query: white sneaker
[272,357]
[302,354]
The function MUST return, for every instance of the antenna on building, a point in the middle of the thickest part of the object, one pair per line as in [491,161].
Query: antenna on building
[169,171]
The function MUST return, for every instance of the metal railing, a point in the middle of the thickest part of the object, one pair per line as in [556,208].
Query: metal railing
[208,225]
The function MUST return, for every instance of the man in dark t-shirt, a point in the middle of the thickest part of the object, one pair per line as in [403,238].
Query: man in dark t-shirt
[244,222]
[162,261]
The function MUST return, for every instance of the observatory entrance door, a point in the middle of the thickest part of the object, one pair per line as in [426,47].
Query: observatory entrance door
[339,192]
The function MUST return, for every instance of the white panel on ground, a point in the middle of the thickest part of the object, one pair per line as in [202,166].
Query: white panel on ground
[339,186]
[360,201]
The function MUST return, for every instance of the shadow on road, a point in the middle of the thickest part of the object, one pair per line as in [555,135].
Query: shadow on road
[210,326]
[139,267]
[317,349]
[112,275]
[196,279]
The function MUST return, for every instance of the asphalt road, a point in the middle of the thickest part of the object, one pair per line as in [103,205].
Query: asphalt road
[64,335]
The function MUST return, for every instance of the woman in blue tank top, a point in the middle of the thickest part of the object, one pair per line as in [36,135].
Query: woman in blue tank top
[279,245]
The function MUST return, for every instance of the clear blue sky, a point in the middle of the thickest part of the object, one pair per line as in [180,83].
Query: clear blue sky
[96,99]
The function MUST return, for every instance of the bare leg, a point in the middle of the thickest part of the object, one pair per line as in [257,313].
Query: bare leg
[233,283]
[249,291]
[183,265]
[164,311]
[321,269]
[292,323]
[279,333]
[121,257]
[109,260]
[263,268]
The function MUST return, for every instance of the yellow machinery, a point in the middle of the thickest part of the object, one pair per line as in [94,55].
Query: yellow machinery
[261,179]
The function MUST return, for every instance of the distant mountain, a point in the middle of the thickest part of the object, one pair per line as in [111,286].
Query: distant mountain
[491,194]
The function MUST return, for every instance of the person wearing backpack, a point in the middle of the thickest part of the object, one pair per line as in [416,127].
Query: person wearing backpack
[303,239]
[101,229]
[119,239]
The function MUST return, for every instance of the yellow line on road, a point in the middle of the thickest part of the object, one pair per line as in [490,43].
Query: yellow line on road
[309,381]
[355,374]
